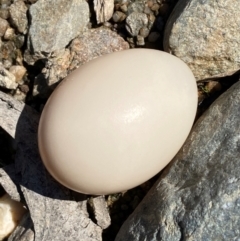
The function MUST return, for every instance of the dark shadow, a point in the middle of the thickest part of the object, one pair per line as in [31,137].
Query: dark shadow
[29,169]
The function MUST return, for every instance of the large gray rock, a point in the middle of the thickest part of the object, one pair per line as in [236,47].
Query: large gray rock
[198,196]
[205,35]
[55,23]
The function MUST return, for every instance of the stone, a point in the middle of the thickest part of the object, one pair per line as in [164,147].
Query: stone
[204,34]
[55,24]
[197,197]
[9,34]
[3,26]
[18,71]
[103,10]
[18,16]
[118,16]
[7,79]
[135,21]
[95,43]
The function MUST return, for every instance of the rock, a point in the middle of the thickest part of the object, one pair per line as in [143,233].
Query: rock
[7,79]
[118,16]
[103,10]
[55,24]
[204,34]
[197,197]
[91,44]
[18,71]
[140,40]
[135,21]
[3,26]
[95,43]
[18,16]
[9,34]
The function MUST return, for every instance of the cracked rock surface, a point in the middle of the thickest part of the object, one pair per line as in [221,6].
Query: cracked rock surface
[205,35]
[197,197]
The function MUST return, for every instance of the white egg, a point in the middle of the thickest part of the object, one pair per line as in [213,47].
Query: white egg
[117,121]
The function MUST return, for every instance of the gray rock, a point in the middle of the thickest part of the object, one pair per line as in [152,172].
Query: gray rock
[18,15]
[55,23]
[7,79]
[205,35]
[3,26]
[95,43]
[197,197]
[135,21]
[118,16]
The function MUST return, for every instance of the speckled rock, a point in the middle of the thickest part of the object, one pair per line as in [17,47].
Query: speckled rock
[55,23]
[7,79]
[205,35]
[91,44]
[18,16]
[135,21]
[95,43]
[3,26]
[197,196]
[18,71]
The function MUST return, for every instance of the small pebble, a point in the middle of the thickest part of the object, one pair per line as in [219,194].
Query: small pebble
[18,71]
[4,13]
[140,40]
[213,86]
[124,8]
[3,26]
[118,16]
[9,34]
[155,7]
[144,31]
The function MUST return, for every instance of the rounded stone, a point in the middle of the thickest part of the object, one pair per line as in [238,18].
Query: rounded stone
[104,131]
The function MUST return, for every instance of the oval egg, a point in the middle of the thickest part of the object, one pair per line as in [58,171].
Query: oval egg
[117,121]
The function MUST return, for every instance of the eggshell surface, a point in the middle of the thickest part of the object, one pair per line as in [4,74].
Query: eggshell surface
[117,121]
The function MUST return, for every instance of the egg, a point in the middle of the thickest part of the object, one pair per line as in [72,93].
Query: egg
[118,120]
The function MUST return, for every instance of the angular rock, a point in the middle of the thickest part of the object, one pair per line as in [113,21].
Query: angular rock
[197,197]
[18,71]
[205,35]
[18,15]
[7,79]
[3,26]
[95,43]
[103,10]
[55,23]
[135,21]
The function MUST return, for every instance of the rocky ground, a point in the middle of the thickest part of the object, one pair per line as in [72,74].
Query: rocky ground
[39,48]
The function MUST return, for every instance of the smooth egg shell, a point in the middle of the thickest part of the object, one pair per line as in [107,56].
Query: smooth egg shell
[117,121]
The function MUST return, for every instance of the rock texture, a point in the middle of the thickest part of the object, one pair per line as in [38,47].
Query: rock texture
[7,79]
[103,10]
[57,213]
[205,35]
[18,16]
[55,24]
[197,197]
